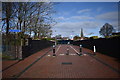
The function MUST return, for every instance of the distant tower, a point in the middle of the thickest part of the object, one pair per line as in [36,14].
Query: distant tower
[81,34]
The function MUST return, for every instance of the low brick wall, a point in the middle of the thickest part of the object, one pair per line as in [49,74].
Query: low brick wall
[109,46]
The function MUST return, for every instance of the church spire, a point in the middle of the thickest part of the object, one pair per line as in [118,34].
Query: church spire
[81,35]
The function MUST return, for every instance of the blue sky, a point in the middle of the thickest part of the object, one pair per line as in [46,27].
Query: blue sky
[91,16]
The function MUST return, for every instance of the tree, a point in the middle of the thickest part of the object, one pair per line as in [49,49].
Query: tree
[76,37]
[94,37]
[59,36]
[7,14]
[29,17]
[106,30]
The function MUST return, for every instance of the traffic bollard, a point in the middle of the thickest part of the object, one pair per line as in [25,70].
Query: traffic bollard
[80,50]
[67,51]
[68,43]
[54,50]
[94,51]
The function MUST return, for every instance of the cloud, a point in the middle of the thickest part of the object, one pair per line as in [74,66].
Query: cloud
[81,17]
[84,10]
[76,25]
[115,25]
[110,16]
[66,28]
[60,18]
[99,9]
[74,18]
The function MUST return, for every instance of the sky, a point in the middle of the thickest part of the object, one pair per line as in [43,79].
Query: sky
[91,16]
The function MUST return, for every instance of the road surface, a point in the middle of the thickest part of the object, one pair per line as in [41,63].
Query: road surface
[44,65]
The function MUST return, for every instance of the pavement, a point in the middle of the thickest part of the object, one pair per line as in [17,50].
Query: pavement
[44,65]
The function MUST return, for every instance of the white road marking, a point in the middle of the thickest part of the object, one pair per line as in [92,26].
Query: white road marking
[55,52]
[85,54]
[74,50]
[73,54]
[57,49]
[48,55]
[61,54]
[77,51]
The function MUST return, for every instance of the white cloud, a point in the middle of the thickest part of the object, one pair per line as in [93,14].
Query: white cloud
[88,23]
[110,16]
[66,28]
[74,18]
[81,17]
[73,25]
[115,25]
[60,18]
[99,9]
[84,10]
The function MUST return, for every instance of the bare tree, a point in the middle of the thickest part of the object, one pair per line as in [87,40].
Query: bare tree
[7,14]
[29,17]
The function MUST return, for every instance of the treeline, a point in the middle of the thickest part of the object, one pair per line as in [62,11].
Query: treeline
[32,18]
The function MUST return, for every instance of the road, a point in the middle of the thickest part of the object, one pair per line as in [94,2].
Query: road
[44,65]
